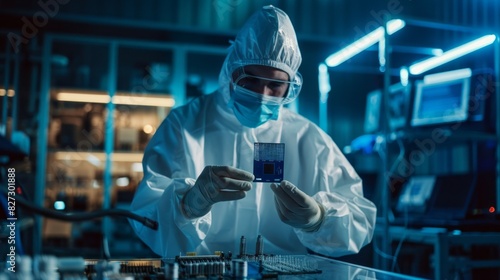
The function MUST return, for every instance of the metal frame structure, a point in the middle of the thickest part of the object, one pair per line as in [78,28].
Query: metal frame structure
[388,72]
[386,231]
[442,241]
[9,57]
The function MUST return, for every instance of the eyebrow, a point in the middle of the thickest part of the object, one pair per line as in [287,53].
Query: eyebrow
[276,79]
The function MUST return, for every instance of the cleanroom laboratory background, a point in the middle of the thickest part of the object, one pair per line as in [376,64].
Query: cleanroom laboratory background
[407,91]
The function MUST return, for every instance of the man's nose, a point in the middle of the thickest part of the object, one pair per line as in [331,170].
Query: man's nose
[264,89]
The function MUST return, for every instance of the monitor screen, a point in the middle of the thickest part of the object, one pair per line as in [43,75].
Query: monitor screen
[416,194]
[398,105]
[396,111]
[440,101]
[372,112]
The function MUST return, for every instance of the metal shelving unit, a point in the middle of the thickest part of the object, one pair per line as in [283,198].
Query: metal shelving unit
[385,232]
[388,69]
[113,46]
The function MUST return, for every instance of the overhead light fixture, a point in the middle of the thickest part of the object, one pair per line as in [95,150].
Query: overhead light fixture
[98,156]
[403,76]
[436,51]
[324,82]
[364,42]
[144,100]
[430,63]
[324,89]
[448,76]
[82,97]
[381,53]
[119,99]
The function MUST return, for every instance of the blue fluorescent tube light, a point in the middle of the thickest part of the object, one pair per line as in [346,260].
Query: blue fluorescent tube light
[430,63]
[363,43]
[403,76]
[324,82]
[448,76]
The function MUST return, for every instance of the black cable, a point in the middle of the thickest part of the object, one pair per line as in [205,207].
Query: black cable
[76,217]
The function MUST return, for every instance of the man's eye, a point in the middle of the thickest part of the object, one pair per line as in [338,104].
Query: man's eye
[248,81]
[276,84]
[252,80]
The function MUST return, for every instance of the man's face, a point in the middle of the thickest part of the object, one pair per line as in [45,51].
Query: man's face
[262,79]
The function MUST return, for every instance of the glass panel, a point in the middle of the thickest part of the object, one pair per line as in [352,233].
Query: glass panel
[144,70]
[203,73]
[76,158]
[78,113]
[77,65]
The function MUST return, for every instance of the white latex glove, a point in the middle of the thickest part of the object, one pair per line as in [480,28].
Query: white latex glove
[215,183]
[297,208]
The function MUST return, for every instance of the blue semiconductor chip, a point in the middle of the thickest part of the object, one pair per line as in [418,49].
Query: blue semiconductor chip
[268,162]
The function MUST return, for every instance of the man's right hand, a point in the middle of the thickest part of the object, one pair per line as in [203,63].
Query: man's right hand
[215,183]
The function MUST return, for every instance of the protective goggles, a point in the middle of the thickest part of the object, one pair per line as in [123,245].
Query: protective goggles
[288,89]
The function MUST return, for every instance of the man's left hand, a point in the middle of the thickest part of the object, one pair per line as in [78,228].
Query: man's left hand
[297,208]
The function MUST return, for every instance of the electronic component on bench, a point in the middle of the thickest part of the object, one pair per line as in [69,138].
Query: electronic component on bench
[243,247]
[254,265]
[259,246]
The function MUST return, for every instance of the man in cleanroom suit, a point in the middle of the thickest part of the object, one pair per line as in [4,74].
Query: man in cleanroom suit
[197,180]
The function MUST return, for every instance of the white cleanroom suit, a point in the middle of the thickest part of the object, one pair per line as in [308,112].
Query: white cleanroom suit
[206,132]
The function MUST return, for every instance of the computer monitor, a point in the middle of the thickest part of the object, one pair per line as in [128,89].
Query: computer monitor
[372,111]
[415,194]
[396,111]
[398,105]
[442,98]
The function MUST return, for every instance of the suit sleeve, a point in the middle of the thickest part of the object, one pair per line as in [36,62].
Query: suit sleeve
[166,179]
[350,218]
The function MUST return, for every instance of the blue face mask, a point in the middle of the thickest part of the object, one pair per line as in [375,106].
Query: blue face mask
[253,109]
